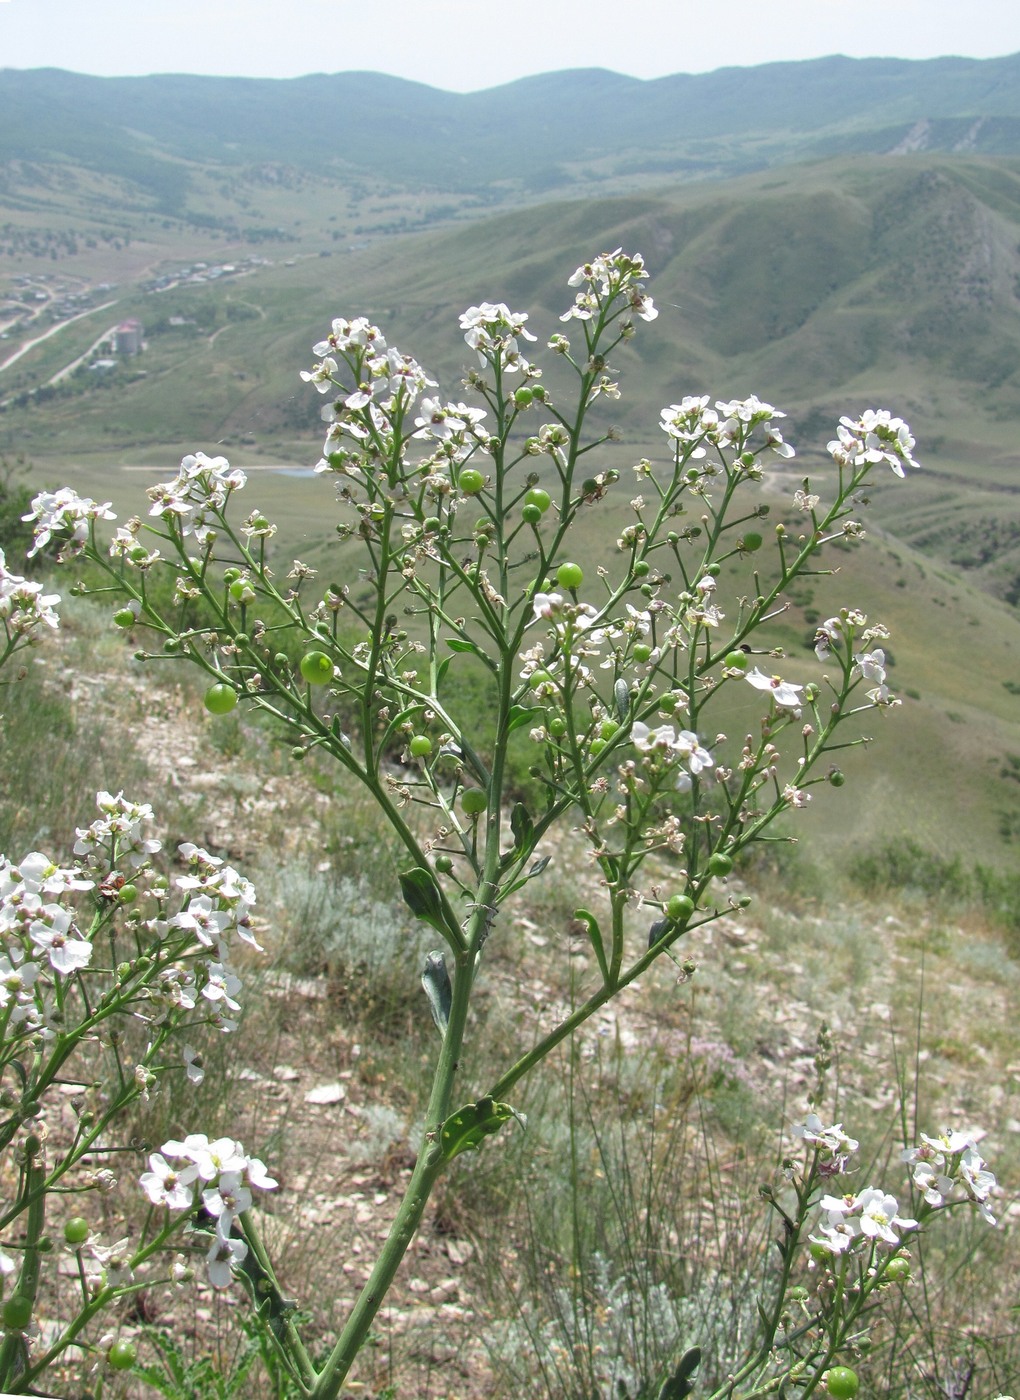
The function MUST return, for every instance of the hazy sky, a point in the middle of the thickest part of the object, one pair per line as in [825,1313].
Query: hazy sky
[463,45]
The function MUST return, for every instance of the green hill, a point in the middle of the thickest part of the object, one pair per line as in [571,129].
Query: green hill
[581,128]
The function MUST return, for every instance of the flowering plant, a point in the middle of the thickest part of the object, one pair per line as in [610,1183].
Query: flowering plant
[108,969]
[616,674]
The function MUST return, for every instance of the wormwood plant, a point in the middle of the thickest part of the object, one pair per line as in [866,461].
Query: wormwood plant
[465,520]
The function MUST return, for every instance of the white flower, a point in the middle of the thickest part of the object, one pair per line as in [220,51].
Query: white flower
[52,932]
[210,1158]
[228,1198]
[493,327]
[871,665]
[23,605]
[64,513]
[115,1262]
[166,1185]
[193,1064]
[321,375]
[222,985]
[874,437]
[784,694]
[832,1145]
[879,1219]
[222,1256]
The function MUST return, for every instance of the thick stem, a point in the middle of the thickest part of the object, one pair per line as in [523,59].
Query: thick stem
[427,1171]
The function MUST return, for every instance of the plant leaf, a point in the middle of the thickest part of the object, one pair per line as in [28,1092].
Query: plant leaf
[591,925]
[461,644]
[522,827]
[681,1382]
[621,694]
[436,981]
[464,1130]
[658,930]
[518,717]
[422,897]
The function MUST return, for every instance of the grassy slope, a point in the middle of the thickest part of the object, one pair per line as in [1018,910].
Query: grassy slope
[823,288]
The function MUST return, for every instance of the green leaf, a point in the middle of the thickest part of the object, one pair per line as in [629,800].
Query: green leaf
[464,1130]
[681,1382]
[421,895]
[591,925]
[518,717]
[658,930]
[461,644]
[621,694]
[436,981]
[522,827]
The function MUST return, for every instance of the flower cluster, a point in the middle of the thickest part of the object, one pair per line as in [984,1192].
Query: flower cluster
[837,636]
[869,1218]
[833,1147]
[493,330]
[944,1169]
[874,437]
[203,484]
[43,940]
[36,929]
[949,1166]
[23,604]
[606,278]
[116,836]
[225,1176]
[683,748]
[731,423]
[65,516]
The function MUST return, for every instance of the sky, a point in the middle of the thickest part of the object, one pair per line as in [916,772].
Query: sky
[465,45]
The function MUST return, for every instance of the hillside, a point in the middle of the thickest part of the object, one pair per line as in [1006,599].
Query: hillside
[583,127]
[821,287]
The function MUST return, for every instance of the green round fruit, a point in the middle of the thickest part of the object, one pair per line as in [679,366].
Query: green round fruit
[127,894]
[736,661]
[122,1355]
[841,1382]
[316,668]
[231,575]
[751,542]
[596,747]
[537,497]
[837,778]
[679,908]
[570,576]
[474,801]
[220,698]
[76,1230]
[538,679]
[557,726]
[641,568]
[444,864]
[420,746]
[641,652]
[719,864]
[531,515]
[471,481]
[608,729]
[523,396]
[897,1270]
[124,617]
[17,1312]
